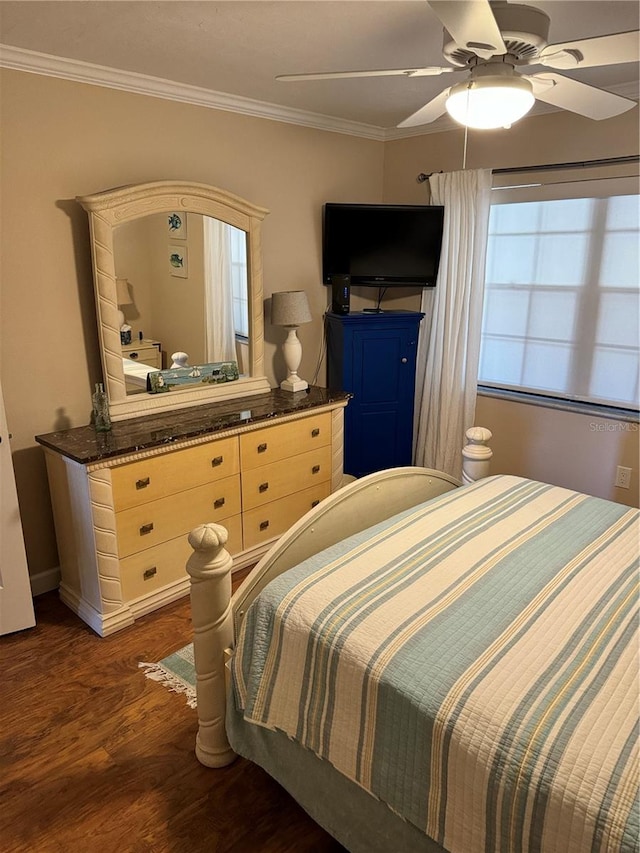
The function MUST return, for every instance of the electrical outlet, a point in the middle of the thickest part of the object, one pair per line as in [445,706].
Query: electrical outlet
[623,477]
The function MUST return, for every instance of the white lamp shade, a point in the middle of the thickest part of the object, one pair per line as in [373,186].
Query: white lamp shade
[490,102]
[290,308]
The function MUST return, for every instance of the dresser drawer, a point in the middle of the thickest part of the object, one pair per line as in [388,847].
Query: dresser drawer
[154,568]
[145,354]
[274,518]
[263,446]
[143,526]
[169,473]
[272,482]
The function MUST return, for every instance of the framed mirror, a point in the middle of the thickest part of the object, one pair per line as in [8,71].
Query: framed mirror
[177,271]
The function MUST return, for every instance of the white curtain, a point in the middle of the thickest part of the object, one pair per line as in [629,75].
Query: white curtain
[449,344]
[220,339]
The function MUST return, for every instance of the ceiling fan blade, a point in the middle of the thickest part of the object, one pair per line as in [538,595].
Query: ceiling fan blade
[430,112]
[593,52]
[578,97]
[471,24]
[428,71]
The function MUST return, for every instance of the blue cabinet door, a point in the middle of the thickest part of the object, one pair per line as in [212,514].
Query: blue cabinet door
[374,358]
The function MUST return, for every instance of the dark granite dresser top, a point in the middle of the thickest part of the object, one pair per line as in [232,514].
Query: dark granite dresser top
[85,445]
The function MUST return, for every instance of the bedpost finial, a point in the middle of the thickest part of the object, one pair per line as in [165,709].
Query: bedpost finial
[208,536]
[478,435]
[476,455]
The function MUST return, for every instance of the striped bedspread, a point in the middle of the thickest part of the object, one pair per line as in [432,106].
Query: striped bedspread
[473,663]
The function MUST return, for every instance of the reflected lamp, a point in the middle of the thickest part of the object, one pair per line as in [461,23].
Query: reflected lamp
[122,297]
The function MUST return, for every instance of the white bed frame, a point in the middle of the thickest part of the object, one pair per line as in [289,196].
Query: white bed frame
[217,615]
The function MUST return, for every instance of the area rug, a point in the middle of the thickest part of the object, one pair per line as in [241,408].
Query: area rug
[176,672]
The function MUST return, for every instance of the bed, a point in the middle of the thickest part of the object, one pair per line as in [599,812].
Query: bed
[432,668]
[135,375]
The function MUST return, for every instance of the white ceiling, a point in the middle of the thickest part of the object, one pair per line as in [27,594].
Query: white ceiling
[239,47]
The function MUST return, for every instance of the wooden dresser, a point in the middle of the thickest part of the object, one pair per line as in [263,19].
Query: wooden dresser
[124,501]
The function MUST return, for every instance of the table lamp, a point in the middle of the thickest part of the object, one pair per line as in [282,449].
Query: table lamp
[291,309]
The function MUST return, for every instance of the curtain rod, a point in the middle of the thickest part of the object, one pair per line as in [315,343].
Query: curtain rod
[577,164]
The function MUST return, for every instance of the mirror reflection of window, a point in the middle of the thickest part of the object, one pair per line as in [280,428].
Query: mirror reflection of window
[238,249]
[225,273]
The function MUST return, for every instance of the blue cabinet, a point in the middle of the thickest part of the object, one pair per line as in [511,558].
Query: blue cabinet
[373,356]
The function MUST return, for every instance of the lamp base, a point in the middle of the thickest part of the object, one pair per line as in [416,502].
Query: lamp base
[294,383]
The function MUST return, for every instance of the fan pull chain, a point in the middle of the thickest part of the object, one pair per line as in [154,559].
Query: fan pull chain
[466,134]
[464,153]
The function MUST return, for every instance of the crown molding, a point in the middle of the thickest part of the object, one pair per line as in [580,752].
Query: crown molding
[33,62]
[20,59]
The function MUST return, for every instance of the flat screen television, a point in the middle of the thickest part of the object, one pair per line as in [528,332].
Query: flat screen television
[382,245]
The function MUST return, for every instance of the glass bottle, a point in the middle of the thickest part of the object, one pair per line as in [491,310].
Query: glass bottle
[101,418]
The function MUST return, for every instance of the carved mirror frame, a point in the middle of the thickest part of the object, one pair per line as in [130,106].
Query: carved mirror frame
[114,207]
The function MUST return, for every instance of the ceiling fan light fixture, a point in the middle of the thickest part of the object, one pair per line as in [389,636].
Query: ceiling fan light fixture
[490,102]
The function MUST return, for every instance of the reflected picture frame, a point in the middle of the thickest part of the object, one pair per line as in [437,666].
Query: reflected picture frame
[177,225]
[178,261]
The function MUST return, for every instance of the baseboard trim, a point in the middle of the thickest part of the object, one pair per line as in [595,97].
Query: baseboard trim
[102,623]
[45,581]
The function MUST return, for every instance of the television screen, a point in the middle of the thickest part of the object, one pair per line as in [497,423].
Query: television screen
[382,245]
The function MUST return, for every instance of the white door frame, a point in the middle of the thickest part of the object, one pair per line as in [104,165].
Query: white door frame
[16,603]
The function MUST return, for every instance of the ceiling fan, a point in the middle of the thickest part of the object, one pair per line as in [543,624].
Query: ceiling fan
[490,42]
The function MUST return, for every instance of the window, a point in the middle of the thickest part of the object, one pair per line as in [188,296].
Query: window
[238,255]
[562,307]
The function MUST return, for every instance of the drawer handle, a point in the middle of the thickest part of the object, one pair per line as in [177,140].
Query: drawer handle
[262,447]
[142,484]
[146,528]
[264,525]
[315,469]
[133,355]
[218,503]
[217,460]
[149,573]
[263,487]
[315,503]
[315,432]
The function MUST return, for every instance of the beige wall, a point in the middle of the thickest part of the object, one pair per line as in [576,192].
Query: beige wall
[178,317]
[64,139]
[576,451]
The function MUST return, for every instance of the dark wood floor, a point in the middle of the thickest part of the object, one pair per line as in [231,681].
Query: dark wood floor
[94,756]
